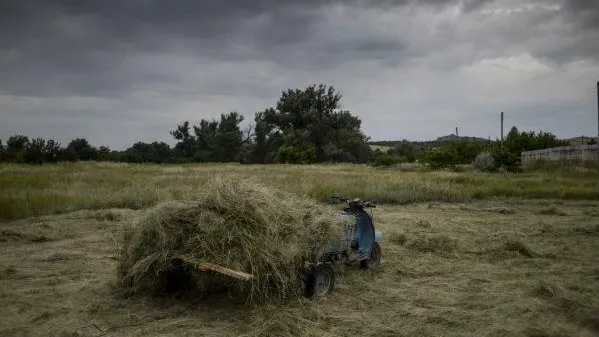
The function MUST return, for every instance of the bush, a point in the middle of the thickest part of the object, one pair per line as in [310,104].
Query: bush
[484,162]
[504,159]
[384,159]
[441,157]
[295,155]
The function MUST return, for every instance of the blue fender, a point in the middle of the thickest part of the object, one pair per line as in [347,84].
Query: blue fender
[378,235]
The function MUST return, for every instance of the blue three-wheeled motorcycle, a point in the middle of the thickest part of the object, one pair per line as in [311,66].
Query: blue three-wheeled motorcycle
[358,244]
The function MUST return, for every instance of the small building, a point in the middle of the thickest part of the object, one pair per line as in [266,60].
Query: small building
[586,153]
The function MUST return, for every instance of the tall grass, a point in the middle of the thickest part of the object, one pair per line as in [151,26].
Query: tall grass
[36,190]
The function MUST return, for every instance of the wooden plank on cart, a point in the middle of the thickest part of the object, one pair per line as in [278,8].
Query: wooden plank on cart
[203,266]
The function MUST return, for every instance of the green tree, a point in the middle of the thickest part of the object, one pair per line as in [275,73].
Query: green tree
[309,120]
[506,159]
[267,138]
[184,149]
[15,148]
[211,141]
[517,141]
[39,151]
[156,152]
[117,156]
[103,153]
[2,152]
[228,138]
[204,146]
[80,149]
[17,143]
[508,154]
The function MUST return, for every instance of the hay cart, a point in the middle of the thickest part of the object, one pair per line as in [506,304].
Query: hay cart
[358,244]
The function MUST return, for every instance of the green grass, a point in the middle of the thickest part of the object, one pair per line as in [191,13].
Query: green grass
[381,147]
[38,190]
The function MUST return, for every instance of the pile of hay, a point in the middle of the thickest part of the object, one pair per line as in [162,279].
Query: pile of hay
[235,224]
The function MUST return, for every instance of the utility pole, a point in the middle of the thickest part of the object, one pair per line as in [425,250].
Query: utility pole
[502,126]
[456,131]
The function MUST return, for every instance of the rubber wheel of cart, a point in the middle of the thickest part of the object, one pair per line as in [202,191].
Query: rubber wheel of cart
[374,259]
[320,281]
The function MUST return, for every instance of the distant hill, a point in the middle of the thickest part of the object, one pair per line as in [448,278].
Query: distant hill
[391,143]
[385,145]
[582,140]
[453,137]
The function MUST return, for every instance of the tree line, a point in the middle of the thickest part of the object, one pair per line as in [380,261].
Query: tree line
[458,151]
[304,126]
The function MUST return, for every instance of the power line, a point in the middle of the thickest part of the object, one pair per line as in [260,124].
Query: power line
[575,102]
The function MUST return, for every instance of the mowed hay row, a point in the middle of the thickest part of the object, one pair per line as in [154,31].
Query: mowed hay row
[236,224]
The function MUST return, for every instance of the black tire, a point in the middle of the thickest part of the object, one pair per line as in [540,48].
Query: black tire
[374,258]
[320,281]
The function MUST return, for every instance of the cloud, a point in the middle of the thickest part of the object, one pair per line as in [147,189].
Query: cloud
[409,69]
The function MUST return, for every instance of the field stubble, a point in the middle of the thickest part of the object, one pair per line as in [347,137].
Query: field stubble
[463,274]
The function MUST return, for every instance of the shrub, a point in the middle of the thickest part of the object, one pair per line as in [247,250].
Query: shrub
[383,159]
[295,155]
[504,159]
[484,162]
[441,157]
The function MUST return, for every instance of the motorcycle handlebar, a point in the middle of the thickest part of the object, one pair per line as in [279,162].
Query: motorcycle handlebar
[344,199]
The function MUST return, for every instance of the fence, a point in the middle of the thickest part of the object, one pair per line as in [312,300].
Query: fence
[588,153]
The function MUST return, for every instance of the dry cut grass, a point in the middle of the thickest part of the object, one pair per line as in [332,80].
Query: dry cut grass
[447,270]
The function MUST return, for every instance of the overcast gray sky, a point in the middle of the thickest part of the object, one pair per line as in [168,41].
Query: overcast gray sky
[117,72]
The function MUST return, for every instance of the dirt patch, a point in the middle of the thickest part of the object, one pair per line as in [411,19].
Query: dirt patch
[7,235]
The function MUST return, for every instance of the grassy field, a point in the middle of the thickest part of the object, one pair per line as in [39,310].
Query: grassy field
[464,254]
[381,147]
[31,191]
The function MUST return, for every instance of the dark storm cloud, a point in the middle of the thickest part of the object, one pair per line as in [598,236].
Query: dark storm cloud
[584,11]
[67,32]
[582,17]
[51,48]
[115,60]
[151,25]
